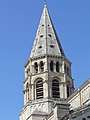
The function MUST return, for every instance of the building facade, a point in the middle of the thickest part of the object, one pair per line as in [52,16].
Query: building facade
[48,85]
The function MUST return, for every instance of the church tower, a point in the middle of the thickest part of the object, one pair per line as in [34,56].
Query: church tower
[48,80]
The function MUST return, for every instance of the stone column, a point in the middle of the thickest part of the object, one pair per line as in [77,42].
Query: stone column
[33,91]
[54,66]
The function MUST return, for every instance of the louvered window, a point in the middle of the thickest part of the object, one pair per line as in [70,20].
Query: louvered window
[55,89]
[39,89]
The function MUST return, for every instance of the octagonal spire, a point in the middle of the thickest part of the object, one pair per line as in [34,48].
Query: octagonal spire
[46,41]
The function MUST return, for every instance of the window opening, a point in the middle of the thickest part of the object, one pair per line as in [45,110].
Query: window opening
[68,91]
[41,36]
[57,66]
[36,67]
[39,89]
[49,35]
[40,47]
[84,119]
[28,71]
[52,66]
[88,117]
[52,46]
[65,68]
[41,66]
[55,89]
[68,71]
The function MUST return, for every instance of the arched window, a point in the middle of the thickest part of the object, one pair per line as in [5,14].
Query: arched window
[51,66]
[57,66]
[41,66]
[27,92]
[36,67]
[39,89]
[55,89]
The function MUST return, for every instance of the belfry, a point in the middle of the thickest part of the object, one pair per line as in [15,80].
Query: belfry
[48,77]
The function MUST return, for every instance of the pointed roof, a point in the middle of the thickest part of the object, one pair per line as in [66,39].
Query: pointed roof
[46,41]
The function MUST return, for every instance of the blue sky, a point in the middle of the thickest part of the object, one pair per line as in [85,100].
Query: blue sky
[19,20]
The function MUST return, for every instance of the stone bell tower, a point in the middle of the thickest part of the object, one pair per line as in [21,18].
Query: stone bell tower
[48,78]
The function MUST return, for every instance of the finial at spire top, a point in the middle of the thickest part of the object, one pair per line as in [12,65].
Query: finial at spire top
[44,2]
